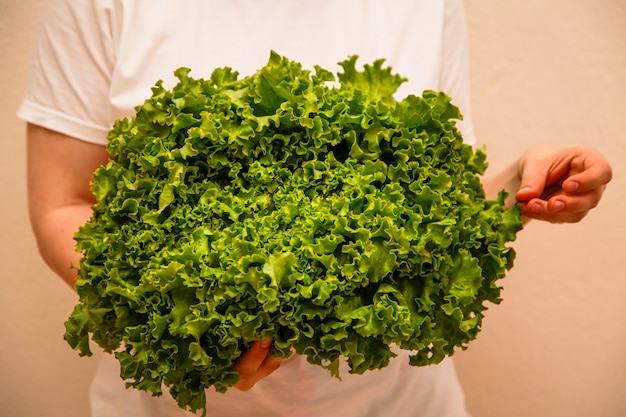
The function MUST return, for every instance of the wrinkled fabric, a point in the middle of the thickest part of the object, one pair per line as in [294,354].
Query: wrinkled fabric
[298,389]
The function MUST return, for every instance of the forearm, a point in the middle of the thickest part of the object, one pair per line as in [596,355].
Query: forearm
[507,179]
[60,169]
[54,232]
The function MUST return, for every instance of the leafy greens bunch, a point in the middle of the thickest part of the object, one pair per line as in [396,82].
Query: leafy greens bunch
[306,207]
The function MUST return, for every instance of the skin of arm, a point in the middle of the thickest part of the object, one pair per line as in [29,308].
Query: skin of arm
[59,171]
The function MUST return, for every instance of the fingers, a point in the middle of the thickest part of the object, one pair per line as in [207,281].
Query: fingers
[588,171]
[562,186]
[556,210]
[255,364]
[562,207]
[533,178]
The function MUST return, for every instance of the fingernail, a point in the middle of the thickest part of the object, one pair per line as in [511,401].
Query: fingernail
[536,208]
[571,186]
[524,189]
[265,344]
[558,205]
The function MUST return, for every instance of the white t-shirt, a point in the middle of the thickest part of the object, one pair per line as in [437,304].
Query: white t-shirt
[95,60]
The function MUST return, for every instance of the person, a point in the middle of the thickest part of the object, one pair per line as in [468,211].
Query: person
[93,62]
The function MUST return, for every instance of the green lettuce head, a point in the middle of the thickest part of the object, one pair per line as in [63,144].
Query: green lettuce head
[305,207]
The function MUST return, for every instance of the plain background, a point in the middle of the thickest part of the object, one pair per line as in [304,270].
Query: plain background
[543,72]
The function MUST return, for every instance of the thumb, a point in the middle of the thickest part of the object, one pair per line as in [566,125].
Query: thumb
[541,172]
[532,181]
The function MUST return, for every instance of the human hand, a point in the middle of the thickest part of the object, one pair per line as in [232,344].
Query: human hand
[561,185]
[255,364]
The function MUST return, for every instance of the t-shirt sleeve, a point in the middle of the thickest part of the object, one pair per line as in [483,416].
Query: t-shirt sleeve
[70,70]
[455,76]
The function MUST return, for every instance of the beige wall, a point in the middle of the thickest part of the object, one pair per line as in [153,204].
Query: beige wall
[543,72]
[554,72]
[39,375]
